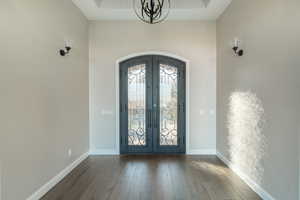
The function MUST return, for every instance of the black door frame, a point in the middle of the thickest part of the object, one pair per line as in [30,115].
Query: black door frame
[152,62]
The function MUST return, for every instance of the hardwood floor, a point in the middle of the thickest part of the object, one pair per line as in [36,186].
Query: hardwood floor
[152,178]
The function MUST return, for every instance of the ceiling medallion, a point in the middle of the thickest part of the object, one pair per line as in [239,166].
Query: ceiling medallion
[152,11]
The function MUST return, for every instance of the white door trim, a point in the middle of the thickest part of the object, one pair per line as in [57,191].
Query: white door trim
[163,53]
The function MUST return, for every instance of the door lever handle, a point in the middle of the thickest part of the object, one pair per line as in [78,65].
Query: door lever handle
[155,119]
[149,115]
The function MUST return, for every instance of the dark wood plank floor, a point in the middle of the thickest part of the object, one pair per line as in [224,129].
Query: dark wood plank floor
[152,178]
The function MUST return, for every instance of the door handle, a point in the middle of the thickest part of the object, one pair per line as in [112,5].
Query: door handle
[149,115]
[155,123]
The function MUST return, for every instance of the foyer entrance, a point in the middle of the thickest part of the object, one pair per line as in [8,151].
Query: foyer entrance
[152,105]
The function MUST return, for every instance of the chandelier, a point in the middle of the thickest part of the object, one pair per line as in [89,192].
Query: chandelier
[152,11]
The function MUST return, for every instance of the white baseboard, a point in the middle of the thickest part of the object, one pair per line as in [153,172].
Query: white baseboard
[254,186]
[103,152]
[201,152]
[55,180]
[0,180]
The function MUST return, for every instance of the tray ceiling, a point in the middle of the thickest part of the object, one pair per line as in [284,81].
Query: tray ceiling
[181,9]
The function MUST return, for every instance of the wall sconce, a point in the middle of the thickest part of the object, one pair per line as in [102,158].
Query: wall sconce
[66,51]
[237,51]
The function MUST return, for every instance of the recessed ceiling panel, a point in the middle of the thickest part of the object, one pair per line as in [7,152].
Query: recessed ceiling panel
[127,4]
[181,9]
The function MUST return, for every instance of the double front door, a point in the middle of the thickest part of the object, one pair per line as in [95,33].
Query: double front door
[152,105]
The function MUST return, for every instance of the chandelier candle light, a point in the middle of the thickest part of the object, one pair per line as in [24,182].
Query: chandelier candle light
[152,11]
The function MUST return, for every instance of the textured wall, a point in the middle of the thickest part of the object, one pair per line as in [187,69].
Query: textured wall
[258,94]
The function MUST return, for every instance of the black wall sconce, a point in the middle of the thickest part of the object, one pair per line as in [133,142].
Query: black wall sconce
[237,51]
[66,51]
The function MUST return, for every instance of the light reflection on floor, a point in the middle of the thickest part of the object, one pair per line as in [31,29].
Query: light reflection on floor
[209,167]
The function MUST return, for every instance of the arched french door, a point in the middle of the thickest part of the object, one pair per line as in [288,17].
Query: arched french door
[152,105]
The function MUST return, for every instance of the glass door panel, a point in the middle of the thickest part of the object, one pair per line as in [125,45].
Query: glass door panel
[137,105]
[168,105]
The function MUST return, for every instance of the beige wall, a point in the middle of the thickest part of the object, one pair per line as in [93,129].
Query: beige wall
[44,97]
[195,41]
[270,69]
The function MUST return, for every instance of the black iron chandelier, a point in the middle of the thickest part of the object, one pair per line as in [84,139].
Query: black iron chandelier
[152,11]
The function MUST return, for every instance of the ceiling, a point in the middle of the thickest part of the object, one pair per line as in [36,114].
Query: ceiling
[181,9]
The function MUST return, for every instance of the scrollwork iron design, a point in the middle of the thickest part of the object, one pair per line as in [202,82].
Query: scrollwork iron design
[168,105]
[136,105]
